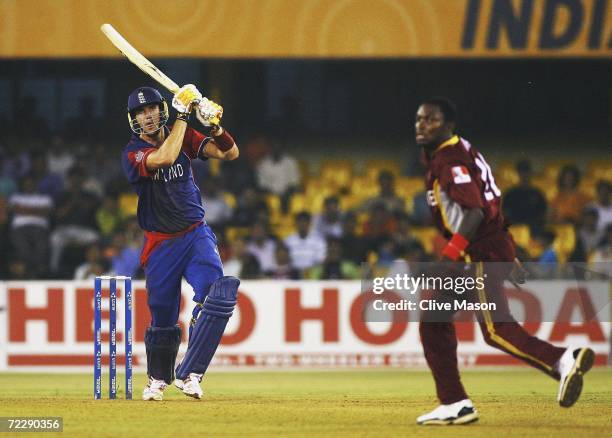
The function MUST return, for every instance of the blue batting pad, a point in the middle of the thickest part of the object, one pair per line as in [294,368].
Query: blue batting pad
[209,327]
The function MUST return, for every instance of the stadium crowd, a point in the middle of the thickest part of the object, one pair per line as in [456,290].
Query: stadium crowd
[66,211]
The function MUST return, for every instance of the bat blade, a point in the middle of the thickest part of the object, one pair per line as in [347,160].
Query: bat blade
[137,58]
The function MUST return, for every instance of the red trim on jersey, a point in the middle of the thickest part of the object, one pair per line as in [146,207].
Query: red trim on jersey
[153,239]
[192,142]
[138,159]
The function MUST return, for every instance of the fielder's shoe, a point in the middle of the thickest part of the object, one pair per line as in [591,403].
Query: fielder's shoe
[461,412]
[191,385]
[572,366]
[154,390]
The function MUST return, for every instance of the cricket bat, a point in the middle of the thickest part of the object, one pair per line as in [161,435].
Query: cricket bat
[137,58]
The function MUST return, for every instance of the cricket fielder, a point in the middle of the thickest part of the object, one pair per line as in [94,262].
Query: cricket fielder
[178,242]
[465,203]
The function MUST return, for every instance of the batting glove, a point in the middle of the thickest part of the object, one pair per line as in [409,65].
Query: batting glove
[185,98]
[209,113]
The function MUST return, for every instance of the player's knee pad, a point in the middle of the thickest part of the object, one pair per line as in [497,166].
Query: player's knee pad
[162,344]
[209,326]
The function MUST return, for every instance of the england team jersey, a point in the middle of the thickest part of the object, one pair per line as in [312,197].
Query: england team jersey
[169,201]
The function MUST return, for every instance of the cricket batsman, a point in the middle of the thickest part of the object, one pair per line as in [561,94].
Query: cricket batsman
[465,203]
[178,242]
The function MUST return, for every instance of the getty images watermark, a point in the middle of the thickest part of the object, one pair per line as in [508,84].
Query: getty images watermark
[446,286]
[493,291]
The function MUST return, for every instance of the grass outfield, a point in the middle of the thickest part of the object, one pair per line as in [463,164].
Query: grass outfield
[357,403]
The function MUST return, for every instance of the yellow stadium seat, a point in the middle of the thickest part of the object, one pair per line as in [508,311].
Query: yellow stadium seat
[600,169]
[364,187]
[521,235]
[565,240]
[351,202]
[304,171]
[409,186]
[506,175]
[588,185]
[425,236]
[232,233]
[128,204]
[546,185]
[297,203]
[336,173]
[552,168]
[374,166]
[283,231]
[274,207]
[316,187]
[230,199]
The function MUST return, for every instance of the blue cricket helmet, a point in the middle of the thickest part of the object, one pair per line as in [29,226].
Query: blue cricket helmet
[146,96]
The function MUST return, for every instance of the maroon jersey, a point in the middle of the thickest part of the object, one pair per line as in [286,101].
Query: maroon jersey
[458,178]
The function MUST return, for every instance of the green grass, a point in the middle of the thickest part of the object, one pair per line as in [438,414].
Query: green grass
[351,403]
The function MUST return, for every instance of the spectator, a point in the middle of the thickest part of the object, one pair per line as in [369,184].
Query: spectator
[380,226]
[8,186]
[251,208]
[353,246]
[48,183]
[603,204]
[284,266]
[95,264]
[262,247]
[59,159]
[305,247]
[108,217]
[589,232]
[237,176]
[75,216]
[279,173]
[250,268]
[17,269]
[601,261]
[408,259]
[570,201]
[421,213]
[524,203]
[547,262]
[30,227]
[402,236]
[233,265]
[386,195]
[127,247]
[329,222]
[335,266]
[218,211]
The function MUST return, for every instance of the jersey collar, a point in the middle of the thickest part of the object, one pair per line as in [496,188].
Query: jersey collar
[450,142]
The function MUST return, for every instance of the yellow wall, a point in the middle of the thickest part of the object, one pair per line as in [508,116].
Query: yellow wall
[299,28]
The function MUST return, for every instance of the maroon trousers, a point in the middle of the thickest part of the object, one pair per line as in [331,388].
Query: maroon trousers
[498,327]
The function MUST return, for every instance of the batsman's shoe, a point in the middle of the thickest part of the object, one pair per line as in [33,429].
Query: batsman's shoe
[461,412]
[154,390]
[191,385]
[572,366]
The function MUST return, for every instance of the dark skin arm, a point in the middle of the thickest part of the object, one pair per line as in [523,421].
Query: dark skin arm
[470,223]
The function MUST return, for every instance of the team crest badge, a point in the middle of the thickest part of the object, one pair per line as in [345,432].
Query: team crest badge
[139,156]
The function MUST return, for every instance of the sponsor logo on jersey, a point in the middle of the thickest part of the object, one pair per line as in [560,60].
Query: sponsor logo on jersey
[460,175]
